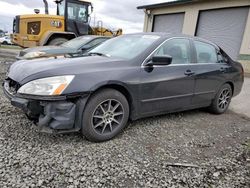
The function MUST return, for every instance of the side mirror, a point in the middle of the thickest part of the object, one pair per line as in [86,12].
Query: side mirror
[85,48]
[160,60]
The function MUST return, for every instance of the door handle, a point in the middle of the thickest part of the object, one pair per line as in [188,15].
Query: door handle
[189,73]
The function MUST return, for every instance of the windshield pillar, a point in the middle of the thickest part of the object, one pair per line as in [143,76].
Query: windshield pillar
[60,11]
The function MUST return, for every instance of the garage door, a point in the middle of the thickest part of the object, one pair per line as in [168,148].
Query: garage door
[169,23]
[225,27]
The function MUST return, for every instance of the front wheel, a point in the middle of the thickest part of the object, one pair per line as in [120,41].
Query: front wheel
[222,100]
[105,115]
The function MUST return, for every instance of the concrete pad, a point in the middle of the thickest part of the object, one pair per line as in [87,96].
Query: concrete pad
[246,65]
[241,103]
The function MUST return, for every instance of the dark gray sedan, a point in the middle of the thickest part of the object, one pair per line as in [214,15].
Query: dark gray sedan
[128,77]
[74,47]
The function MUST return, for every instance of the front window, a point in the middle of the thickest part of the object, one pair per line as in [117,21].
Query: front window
[178,49]
[127,46]
[77,12]
[61,8]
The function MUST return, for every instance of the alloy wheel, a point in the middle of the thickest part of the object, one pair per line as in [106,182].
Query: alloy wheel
[107,116]
[224,99]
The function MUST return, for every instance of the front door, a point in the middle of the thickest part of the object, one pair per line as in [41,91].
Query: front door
[168,88]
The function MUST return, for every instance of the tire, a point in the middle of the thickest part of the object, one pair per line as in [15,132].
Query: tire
[57,41]
[5,43]
[105,115]
[222,100]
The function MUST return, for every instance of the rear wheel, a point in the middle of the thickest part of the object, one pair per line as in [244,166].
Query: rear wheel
[57,41]
[5,43]
[222,100]
[105,115]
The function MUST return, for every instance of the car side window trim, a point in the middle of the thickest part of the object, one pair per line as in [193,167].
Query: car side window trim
[155,50]
[224,59]
[217,50]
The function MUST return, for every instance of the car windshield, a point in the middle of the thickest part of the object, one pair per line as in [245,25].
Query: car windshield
[126,46]
[77,42]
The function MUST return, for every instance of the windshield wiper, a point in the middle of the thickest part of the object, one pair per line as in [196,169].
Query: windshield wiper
[97,53]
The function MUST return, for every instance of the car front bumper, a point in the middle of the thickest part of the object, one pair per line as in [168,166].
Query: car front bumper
[60,114]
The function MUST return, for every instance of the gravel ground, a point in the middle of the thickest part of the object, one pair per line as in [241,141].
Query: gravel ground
[189,149]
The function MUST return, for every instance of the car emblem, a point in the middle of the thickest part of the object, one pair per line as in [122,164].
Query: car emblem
[57,24]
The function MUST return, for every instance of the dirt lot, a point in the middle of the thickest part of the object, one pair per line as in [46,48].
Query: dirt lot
[189,149]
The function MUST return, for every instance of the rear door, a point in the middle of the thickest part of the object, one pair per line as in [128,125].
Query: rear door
[210,72]
[168,88]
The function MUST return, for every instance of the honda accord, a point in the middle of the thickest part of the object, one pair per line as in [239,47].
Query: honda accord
[126,78]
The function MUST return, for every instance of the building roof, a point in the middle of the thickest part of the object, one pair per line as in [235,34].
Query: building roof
[159,5]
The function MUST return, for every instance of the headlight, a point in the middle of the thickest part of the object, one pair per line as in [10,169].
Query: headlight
[47,86]
[31,55]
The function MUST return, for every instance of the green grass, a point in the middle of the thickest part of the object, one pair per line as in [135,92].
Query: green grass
[244,57]
[10,47]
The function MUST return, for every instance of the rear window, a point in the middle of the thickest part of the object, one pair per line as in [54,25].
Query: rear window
[206,53]
[77,42]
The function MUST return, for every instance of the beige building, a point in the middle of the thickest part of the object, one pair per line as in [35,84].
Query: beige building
[225,22]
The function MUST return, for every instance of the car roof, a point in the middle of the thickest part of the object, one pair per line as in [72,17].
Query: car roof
[173,35]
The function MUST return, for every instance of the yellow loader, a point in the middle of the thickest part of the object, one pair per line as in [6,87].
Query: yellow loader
[72,20]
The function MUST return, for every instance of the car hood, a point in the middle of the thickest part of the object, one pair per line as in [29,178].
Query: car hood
[49,50]
[24,71]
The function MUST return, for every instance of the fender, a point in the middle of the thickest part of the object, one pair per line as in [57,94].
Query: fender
[106,83]
[49,34]
[125,91]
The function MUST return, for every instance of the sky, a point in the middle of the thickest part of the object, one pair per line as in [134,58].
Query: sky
[114,13]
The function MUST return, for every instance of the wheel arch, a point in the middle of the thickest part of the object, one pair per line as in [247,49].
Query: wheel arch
[122,88]
[231,85]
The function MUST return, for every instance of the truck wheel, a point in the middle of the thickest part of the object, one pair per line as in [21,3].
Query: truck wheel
[222,100]
[105,115]
[57,41]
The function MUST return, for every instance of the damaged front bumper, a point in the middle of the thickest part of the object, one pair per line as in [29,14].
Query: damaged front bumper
[56,114]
